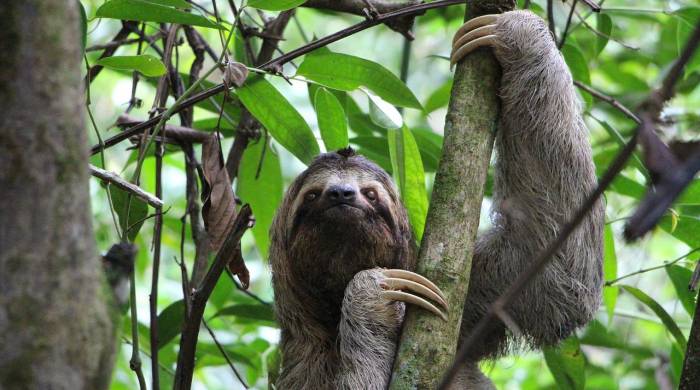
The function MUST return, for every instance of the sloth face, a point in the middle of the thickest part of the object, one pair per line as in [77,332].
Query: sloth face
[340,216]
[347,195]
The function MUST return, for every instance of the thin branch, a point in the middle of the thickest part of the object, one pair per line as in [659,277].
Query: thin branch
[155,271]
[225,355]
[161,98]
[568,24]
[246,291]
[135,361]
[173,133]
[402,25]
[608,99]
[279,61]
[645,270]
[550,19]
[113,178]
[115,44]
[411,10]
[592,5]
[188,339]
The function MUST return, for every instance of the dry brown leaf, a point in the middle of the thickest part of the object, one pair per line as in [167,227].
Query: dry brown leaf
[219,208]
[235,74]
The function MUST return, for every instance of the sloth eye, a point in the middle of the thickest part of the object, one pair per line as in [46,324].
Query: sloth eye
[371,194]
[311,195]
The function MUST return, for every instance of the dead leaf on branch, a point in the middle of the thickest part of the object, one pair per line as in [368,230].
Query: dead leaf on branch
[219,208]
[235,74]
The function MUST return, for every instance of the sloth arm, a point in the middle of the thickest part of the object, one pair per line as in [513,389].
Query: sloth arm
[543,173]
[371,316]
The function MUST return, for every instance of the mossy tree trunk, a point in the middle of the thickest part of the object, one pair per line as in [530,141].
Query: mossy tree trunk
[55,326]
[428,344]
[690,376]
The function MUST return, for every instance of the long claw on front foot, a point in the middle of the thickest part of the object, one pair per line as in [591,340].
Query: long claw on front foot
[399,279]
[473,34]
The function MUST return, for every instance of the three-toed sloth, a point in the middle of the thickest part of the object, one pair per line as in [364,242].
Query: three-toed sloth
[342,245]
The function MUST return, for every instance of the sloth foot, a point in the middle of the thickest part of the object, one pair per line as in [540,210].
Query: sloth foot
[473,34]
[401,285]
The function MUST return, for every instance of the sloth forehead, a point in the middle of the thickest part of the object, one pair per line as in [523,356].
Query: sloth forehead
[358,177]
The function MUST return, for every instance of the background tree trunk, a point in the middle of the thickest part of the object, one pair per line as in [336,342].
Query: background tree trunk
[55,327]
[428,344]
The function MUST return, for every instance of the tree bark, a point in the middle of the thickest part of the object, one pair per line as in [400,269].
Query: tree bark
[428,344]
[55,326]
[690,376]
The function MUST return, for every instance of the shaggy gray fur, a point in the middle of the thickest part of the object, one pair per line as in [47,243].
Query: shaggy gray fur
[544,172]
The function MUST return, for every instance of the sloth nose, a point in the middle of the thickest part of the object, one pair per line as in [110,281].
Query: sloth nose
[341,193]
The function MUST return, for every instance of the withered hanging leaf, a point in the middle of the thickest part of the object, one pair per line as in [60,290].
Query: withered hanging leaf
[230,252]
[658,158]
[235,74]
[237,267]
[683,150]
[668,186]
[219,208]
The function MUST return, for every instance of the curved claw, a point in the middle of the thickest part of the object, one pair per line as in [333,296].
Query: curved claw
[487,40]
[403,274]
[473,34]
[418,301]
[489,29]
[399,279]
[404,284]
[471,24]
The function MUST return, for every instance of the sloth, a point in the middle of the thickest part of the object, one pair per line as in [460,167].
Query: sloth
[342,251]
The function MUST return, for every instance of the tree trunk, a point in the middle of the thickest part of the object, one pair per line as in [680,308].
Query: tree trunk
[690,376]
[428,344]
[55,327]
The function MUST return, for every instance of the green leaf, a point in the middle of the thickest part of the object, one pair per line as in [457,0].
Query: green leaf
[172,3]
[131,206]
[430,146]
[384,114]
[170,322]
[687,229]
[691,195]
[439,98]
[275,5]
[408,171]
[597,335]
[146,11]
[579,68]
[374,148]
[577,63]
[567,364]
[680,277]
[83,27]
[610,293]
[347,73]
[663,315]
[279,117]
[257,312]
[604,27]
[331,120]
[260,185]
[145,64]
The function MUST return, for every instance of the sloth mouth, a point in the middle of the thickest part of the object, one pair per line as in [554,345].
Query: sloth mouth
[342,205]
